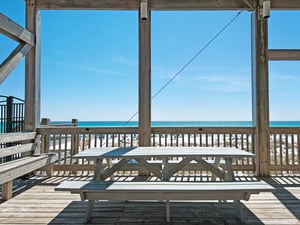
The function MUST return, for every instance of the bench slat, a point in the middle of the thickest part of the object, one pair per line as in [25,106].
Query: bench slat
[17,136]
[19,167]
[99,186]
[17,149]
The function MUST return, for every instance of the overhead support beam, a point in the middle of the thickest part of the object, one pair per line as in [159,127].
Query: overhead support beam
[88,4]
[198,5]
[285,4]
[284,54]
[162,4]
[12,60]
[15,31]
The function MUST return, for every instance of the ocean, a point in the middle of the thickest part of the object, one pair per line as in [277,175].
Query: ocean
[182,123]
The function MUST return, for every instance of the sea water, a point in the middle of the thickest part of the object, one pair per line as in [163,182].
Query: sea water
[185,124]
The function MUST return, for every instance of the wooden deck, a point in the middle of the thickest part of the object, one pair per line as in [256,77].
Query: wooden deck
[36,202]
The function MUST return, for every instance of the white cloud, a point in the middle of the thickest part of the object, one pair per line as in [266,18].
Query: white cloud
[225,83]
[85,68]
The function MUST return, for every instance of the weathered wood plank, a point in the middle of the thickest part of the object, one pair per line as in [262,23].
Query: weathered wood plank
[15,31]
[144,111]
[18,136]
[17,149]
[268,209]
[88,4]
[32,69]
[260,90]
[19,167]
[284,54]
[12,60]
[162,4]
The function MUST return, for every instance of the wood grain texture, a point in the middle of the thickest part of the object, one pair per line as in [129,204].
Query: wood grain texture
[40,204]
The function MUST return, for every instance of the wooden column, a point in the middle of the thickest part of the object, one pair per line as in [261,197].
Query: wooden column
[145,79]
[32,69]
[260,92]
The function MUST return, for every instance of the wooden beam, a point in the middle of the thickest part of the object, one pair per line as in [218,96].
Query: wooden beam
[15,31]
[250,3]
[12,60]
[198,5]
[88,4]
[145,80]
[162,4]
[285,4]
[260,92]
[284,54]
[32,69]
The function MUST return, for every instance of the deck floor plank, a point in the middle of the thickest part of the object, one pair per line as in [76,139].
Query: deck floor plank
[38,203]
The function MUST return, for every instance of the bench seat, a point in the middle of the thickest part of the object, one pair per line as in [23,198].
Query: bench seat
[22,166]
[20,154]
[164,191]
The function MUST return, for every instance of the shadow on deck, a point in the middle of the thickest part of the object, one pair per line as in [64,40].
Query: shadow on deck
[36,202]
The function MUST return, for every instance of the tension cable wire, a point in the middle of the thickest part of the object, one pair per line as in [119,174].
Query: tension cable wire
[192,59]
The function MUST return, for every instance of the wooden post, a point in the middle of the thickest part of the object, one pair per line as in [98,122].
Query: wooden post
[32,69]
[45,145]
[145,77]
[7,190]
[75,139]
[260,92]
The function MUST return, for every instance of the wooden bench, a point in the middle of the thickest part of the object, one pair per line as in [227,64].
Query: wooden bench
[164,191]
[20,155]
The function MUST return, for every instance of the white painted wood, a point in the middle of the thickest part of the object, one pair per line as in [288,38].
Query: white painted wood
[160,152]
[165,169]
[165,191]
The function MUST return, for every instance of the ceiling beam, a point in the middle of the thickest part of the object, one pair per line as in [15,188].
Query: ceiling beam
[284,54]
[88,4]
[163,4]
[285,4]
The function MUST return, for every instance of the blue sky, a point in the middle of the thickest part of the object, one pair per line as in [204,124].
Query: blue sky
[90,64]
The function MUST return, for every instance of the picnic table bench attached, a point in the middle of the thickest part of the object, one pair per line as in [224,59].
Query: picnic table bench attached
[164,191]
[20,155]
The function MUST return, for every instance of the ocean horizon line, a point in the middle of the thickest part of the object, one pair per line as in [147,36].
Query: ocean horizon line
[179,123]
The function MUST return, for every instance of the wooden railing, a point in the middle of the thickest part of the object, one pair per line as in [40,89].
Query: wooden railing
[284,149]
[66,141]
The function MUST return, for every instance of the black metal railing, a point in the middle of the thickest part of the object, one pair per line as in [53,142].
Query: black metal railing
[12,111]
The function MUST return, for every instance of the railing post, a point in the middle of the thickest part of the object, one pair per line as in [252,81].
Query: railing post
[45,145]
[75,139]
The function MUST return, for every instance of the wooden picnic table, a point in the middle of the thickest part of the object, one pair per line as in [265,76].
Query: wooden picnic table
[165,166]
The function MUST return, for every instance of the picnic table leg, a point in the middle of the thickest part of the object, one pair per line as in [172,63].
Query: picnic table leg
[89,210]
[165,169]
[239,210]
[229,176]
[216,164]
[98,169]
[168,211]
